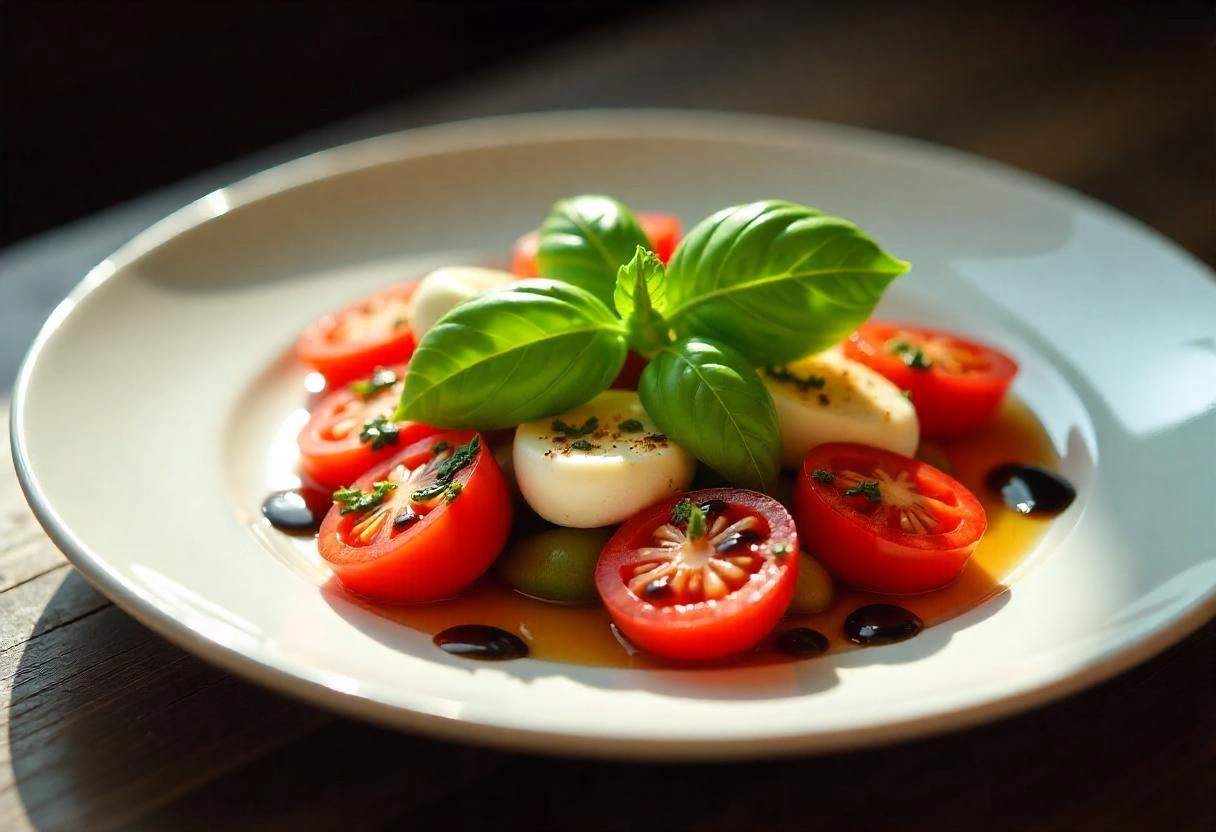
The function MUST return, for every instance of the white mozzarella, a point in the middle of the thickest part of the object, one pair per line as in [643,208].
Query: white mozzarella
[443,289]
[854,404]
[622,471]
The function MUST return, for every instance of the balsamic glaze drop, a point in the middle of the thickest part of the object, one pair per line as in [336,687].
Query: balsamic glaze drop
[297,511]
[876,624]
[1029,489]
[481,641]
[802,643]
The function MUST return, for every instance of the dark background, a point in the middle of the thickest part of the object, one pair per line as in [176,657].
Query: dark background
[153,104]
[104,101]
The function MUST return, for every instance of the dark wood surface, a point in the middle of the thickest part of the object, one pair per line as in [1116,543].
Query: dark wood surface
[108,726]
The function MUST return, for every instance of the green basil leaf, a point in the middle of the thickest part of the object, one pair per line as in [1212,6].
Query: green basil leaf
[584,241]
[776,280]
[708,398]
[533,349]
[640,299]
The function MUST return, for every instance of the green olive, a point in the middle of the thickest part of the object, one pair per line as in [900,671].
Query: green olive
[555,565]
[814,591]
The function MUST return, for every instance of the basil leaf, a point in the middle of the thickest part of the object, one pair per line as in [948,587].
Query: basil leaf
[533,349]
[775,280]
[584,241]
[640,298]
[707,397]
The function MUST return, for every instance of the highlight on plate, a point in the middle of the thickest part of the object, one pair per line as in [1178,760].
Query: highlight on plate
[643,449]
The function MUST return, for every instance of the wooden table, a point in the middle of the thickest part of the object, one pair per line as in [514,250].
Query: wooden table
[107,725]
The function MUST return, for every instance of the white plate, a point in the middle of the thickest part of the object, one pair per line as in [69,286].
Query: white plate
[142,418]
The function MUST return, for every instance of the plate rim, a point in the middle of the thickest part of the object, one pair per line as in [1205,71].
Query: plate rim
[493,132]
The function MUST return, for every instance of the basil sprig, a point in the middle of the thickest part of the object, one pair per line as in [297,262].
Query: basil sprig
[775,280]
[706,396]
[532,349]
[753,285]
[585,240]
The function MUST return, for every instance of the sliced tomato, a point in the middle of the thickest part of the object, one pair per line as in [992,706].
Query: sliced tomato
[707,597]
[955,384]
[421,525]
[663,231]
[351,429]
[885,522]
[371,332]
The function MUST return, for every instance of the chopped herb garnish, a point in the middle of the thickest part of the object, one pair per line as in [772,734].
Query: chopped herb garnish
[696,522]
[781,550]
[439,448]
[355,500]
[630,426]
[581,445]
[382,379]
[571,432]
[379,432]
[823,475]
[867,489]
[811,382]
[462,457]
[680,512]
[454,491]
[912,355]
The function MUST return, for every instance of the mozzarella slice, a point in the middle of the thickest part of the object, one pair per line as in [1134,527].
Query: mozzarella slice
[602,476]
[444,289]
[853,404]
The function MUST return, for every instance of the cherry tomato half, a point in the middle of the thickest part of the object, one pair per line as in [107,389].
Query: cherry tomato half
[352,342]
[421,525]
[663,231]
[955,384]
[350,429]
[885,522]
[704,598]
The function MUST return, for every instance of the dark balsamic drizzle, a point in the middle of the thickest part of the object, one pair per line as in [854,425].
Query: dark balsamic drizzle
[876,624]
[482,642]
[802,643]
[1029,489]
[296,511]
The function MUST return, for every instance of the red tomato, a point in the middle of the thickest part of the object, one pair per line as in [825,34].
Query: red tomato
[349,429]
[436,528]
[628,377]
[955,384]
[663,231]
[705,599]
[354,341]
[523,257]
[885,522]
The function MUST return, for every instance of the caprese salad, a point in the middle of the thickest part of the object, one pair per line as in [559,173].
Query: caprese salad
[610,422]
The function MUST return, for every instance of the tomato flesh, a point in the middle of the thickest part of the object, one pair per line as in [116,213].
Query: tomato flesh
[885,522]
[335,445]
[350,343]
[662,230]
[707,599]
[955,384]
[411,546]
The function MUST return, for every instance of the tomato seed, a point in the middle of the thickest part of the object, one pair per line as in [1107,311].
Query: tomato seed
[405,519]
[738,540]
[657,590]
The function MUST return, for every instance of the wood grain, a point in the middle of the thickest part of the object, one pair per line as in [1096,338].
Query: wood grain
[105,725]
